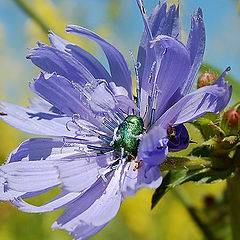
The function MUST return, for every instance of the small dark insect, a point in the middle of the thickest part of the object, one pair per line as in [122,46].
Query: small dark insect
[143,10]
[3,114]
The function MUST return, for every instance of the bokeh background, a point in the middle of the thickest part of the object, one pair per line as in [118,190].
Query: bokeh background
[118,21]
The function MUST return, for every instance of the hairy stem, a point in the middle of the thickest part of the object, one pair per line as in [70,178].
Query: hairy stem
[32,14]
[191,162]
[233,192]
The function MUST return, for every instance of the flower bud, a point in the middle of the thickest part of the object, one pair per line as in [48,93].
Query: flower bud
[205,79]
[231,121]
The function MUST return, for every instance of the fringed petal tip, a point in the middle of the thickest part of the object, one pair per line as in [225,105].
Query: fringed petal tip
[197,14]
[81,231]
[50,32]
[221,81]
[32,50]
[7,194]
[2,113]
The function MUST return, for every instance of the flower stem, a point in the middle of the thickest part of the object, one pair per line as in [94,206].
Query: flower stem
[32,14]
[191,162]
[233,192]
[192,212]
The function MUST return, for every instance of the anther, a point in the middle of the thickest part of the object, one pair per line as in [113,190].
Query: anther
[102,149]
[118,117]
[155,98]
[137,65]
[105,139]
[138,165]
[151,71]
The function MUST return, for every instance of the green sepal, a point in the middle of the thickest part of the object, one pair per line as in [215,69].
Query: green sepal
[230,140]
[208,128]
[177,177]
[222,148]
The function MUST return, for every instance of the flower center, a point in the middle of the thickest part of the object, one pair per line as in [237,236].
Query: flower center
[127,135]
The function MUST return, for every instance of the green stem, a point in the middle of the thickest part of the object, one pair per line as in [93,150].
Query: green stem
[191,162]
[32,14]
[233,192]
[192,212]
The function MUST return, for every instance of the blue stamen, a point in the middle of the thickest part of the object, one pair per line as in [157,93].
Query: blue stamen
[114,124]
[110,125]
[119,117]
[102,149]
[152,116]
[105,139]
[138,97]
[154,106]
[151,71]
[137,65]
[120,160]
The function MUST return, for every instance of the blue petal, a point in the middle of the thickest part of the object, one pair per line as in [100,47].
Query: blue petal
[180,140]
[142,9]
[159,23]
[5,193]
[69,219]
[157,20]
[60,201]
[62,94]
[40,105]
[173,71]
[32,168]
[153,146]
[96,206]
[195,46]
[53,60]
[85,231]
[84,57]
[172,23]
[36,149]
[80,174]
[30,176]
[120,72]
[194,105]
[100,104]
[140,178]
[35,121]
[59,92]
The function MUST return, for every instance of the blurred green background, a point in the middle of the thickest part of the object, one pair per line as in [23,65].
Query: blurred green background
[118,21]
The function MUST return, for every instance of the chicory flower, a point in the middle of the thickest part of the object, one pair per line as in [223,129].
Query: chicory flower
[106,144]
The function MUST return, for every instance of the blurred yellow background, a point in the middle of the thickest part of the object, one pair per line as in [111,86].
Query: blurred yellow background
[169,220]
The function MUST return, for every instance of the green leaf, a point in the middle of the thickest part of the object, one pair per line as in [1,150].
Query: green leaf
[202,151]
[177,177]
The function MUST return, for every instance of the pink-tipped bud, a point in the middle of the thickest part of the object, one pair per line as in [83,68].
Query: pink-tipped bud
[231,121]
[205,79]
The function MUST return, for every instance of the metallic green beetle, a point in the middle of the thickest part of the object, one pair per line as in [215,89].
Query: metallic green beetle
[127,134]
